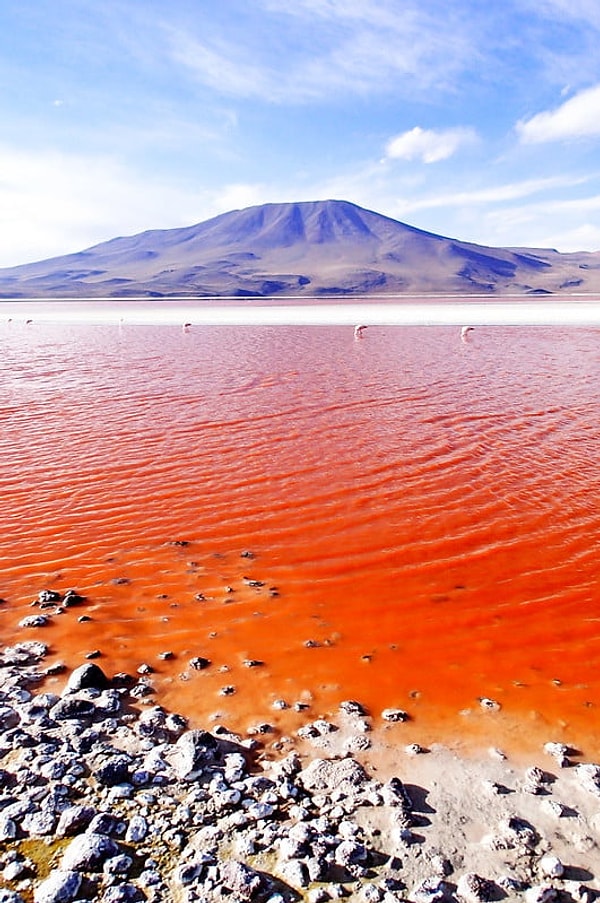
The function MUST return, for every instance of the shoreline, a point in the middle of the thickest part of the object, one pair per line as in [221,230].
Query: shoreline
[426,310]
[245,692]
[106,795]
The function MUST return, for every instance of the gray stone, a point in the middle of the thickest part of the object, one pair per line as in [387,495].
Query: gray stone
[349,853]
[194,750]
[351,707]
[8,828]
[551,867]
[9,717]
[346,775]
[74,820]
[59,887]
[28,652]
[239,878]
[394,793]
[295,873]
[16,869]
[39,824]
[73,708]
[472,888]
[589,777]
[429,890]
[137,829]
[371,893]
[88,852]
[149,878]
[34,621]
[541,893]
[188,873]
[117,865]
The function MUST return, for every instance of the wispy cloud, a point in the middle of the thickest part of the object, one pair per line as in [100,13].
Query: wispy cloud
[429,145]
[493,194]
[587,11]
[315,48]
[577,117]
[220,67]
[567,224]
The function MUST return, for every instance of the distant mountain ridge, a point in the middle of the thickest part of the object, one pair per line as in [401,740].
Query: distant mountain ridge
[312,248]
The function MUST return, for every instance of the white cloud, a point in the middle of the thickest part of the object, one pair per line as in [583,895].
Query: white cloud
[577,117]
[239,195]
[493,194]
[54,203]
[428,145]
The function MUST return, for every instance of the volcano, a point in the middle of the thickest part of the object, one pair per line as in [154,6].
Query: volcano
[312,249]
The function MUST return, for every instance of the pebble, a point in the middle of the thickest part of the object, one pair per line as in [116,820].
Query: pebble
[490,705]
[393,715]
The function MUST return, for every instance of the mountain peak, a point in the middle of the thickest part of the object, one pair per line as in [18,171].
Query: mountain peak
[313,248]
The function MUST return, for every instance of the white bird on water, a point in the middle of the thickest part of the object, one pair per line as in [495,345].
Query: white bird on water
[465,331]
[358,331]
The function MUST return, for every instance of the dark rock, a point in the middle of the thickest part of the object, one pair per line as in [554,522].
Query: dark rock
[49,595]
[9,717]
[199,663]
[123,893]
[351,707]
[86,677]
[73,707]
[113,770]
[472,888]
[104,823]
[394,715]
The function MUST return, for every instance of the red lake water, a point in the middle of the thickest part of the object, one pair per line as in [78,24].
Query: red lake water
[406,519]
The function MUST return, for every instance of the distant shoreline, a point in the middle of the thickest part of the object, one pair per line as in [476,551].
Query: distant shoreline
[579,310]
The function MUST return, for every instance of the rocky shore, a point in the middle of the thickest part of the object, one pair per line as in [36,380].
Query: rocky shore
[106,796]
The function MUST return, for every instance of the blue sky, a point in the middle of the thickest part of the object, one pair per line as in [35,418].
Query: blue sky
[471,119]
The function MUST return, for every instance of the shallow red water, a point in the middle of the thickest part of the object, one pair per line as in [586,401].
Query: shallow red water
[427,508]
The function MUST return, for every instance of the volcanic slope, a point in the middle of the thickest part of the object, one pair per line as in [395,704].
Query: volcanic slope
[316,248]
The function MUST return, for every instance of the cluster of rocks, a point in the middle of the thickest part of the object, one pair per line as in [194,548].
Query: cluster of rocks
[51,602]
[106,796]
